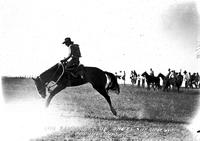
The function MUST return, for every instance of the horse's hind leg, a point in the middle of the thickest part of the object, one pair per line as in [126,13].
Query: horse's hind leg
[103,92]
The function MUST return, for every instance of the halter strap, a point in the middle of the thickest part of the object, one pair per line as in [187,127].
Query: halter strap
[39,78]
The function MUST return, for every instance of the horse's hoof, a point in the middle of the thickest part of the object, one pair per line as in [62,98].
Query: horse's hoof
[114,112]
[46,105]
[43,96]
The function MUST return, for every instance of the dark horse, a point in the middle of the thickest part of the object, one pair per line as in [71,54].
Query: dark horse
[166,82]
[175,82]
[102,81]
[194,79]
[155,81]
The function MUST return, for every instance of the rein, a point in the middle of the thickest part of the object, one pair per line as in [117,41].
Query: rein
[58,77]
[47,83]
[61,74]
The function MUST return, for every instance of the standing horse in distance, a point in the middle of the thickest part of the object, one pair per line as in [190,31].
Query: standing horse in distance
[151,80]
[166,82]
[176,81]
[133,77]
[101,81]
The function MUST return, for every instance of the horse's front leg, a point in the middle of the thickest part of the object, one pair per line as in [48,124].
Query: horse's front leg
[53,93]
[153,86]
[49,99]
[148,88]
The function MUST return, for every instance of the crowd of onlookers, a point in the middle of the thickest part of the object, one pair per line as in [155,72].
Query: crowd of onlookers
[190,80]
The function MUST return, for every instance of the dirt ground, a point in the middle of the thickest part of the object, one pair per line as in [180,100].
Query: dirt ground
[81,113]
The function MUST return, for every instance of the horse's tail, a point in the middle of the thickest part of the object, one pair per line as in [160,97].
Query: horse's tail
[113,84]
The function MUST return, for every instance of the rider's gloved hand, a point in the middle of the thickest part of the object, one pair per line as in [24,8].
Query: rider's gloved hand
[64,61]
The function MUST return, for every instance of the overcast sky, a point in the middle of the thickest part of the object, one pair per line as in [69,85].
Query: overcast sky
[113,35]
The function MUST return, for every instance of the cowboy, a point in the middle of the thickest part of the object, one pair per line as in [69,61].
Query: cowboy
[169,73]
[139,79]
[151,72]
[186,78]
[73,59]
[173,74]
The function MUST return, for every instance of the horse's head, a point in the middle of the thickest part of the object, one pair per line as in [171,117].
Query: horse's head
[40,87]
[160,75]
[144,74]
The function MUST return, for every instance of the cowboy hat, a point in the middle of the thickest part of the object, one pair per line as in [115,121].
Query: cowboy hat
[67,40]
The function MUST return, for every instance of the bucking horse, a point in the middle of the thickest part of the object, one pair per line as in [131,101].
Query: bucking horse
[57,77]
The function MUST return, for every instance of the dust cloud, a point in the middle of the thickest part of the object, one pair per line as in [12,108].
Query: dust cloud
[30,120]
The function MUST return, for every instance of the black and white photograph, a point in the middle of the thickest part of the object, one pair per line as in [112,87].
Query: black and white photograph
[100,70]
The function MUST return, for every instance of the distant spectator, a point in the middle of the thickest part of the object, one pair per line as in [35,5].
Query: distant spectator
[198,79]
[117,76]
[180,72]
[173,74]
[143,82]
[190,82]
[124,77]
[151,72]
[169,72]
[139,80]
[186,78]
[133,77]
[198,75]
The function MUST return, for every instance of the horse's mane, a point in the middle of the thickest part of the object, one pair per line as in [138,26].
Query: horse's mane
[145,73]
[161,75]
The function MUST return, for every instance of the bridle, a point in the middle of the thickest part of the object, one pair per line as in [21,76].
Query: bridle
[47,83]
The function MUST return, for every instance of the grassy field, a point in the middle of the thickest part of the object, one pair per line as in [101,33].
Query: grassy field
[142,115]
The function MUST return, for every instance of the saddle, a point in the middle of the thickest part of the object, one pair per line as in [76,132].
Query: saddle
[75,71]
